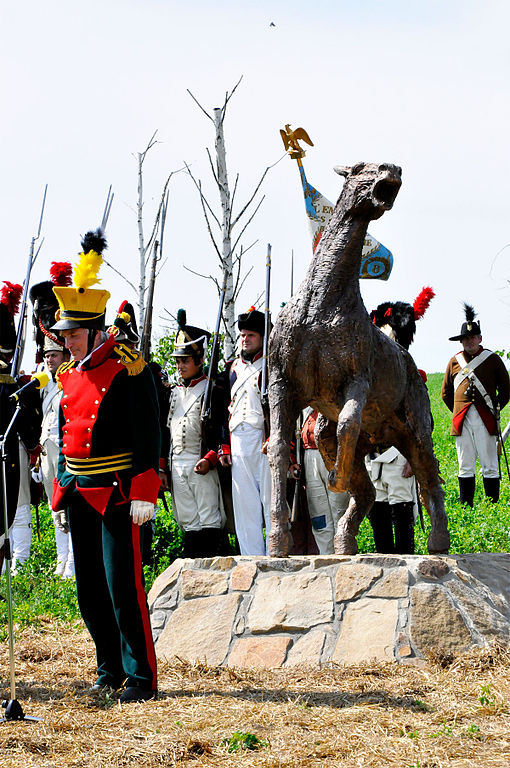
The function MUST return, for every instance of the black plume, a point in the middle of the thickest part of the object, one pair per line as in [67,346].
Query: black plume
[181,318]
[469,312]
[94,241]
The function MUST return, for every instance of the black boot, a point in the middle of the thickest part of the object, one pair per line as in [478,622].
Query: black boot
[193,544]
[403,519]
[467,490]
[380,520]
[491,487]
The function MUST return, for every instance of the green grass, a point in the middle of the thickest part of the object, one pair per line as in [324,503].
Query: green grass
[38,593]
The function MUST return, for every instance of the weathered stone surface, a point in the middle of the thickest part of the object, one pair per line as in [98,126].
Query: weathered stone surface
[165,580]
[222,563]
[158,619]
[367,631]
[432,568]
[322,561]
[493,570]
[435,622]
[489,622]
[203,583]
[166,601]
[290,602]
[259,652]
[242,576]
[354,578]
[381,561]
[307,650]
[285,564]
[392,584]
[200,630]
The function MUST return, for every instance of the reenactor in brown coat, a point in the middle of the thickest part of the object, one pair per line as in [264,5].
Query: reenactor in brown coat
[475,388]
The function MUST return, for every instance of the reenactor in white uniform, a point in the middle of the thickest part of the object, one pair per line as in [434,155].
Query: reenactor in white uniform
[196,493]
[475,388]
[251,478]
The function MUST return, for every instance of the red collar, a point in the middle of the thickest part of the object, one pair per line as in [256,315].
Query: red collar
[99,355]
[193,382]
[257,357]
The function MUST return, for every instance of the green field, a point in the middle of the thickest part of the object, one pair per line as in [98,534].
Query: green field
[485,528]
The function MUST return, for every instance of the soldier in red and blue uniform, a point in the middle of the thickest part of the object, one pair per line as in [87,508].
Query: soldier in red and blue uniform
[107,480]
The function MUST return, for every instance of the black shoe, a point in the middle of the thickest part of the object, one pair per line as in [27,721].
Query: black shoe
[491,488]
[133,693]
[467,490]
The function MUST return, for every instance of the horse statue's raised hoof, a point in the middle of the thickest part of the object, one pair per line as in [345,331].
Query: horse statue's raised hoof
[345,543]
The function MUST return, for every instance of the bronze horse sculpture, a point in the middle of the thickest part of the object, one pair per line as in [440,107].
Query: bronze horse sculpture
[325,352]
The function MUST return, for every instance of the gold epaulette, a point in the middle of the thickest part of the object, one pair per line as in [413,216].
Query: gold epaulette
[6,378]
[62,369]
[131,359]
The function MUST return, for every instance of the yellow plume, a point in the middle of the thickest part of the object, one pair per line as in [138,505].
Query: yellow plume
[85,271]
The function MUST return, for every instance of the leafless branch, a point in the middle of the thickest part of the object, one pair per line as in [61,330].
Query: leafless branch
[149,146]
[232,203]
[228,96]
[248,222]
[161,267]
[199,274]
[202,196]
[239,286]
[120,274]
[215,176]
[256,190]
[198,104]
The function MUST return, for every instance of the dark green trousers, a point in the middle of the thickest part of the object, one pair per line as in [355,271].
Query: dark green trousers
[111,594]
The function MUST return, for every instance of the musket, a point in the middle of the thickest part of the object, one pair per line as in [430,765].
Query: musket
[145,346]
[294,513]
[107,208]
[264,394]
[205,413]
[20,335]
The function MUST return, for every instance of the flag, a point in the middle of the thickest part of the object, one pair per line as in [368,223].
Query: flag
[376,259]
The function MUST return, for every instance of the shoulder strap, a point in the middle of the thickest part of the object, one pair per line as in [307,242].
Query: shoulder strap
[130,359]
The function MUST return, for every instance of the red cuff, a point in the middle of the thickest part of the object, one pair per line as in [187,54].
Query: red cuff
[225,450]
[57,501]
[145,486]
[163,464]
[212,458]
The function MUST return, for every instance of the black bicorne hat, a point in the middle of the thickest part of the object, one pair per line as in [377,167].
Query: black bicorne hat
[470,327]
[190,341]
[253,320]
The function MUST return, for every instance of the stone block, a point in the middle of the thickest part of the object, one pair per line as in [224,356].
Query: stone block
[323,561]
[490,623]
[203,583]
[200,629]
[290,602]
[432,568]
[242,576]
[493,570]
[307,650]
[285,564]
[381,561]
[367,631]
[435,622]
[354,578]
[165,580]
[259,652]
[392,584]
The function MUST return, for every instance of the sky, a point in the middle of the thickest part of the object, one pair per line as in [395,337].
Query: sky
[425,86]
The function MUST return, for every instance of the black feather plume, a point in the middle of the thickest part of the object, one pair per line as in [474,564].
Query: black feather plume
[181,318]
[469,312]
[94,241]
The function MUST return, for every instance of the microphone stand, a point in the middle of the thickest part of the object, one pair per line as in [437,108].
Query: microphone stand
[13,709]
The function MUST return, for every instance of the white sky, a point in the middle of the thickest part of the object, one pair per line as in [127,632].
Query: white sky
[84,86]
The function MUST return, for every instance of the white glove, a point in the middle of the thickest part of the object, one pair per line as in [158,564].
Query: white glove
[60,520]
[141,511]
[36,475]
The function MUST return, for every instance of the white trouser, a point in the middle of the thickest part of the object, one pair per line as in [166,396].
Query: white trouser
[476,441]
[326,507]
[65,556]
[196,499]
[251,489]
[21,531]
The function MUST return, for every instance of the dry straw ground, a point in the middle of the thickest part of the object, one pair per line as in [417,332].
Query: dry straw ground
[449,712]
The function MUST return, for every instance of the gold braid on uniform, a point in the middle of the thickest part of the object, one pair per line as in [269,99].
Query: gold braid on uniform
[132,360]
[62,369]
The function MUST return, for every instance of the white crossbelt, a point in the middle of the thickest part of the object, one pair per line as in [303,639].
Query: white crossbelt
[467,372]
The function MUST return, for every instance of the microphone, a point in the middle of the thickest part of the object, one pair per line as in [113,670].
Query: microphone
[38,381]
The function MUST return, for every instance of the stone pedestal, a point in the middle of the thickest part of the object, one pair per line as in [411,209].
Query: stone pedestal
[264,612]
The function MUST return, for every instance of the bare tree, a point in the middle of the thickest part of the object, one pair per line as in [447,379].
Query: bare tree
[230,261]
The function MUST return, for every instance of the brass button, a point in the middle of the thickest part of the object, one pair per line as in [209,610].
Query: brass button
[92,417]
[96,402]
[87,445]
[103,389]
[88,429]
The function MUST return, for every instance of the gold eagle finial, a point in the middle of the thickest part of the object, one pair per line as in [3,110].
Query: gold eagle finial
[290,140]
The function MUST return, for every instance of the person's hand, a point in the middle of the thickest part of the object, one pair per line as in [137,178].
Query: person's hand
[407,471]
[164,480]
[60,520]
[226,460]
[141,511]
[295,471]
[202,467]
